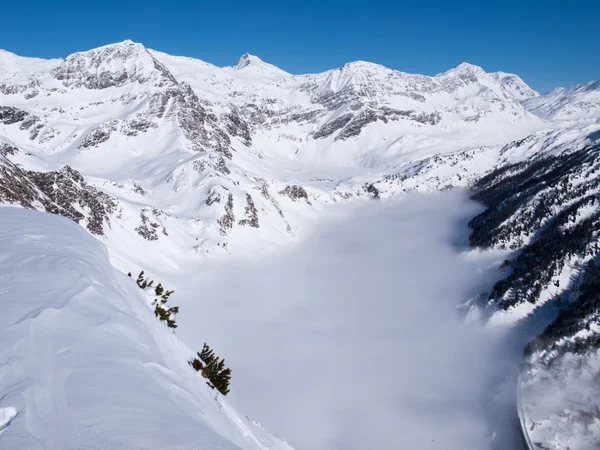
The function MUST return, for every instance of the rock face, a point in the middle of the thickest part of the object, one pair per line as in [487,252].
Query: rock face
[64,192]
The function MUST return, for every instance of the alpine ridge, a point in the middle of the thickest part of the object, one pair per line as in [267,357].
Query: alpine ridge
[179,160]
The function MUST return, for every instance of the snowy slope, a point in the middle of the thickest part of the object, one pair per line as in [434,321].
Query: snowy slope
[581,101]
[86,363]
[558,401]
[546,213]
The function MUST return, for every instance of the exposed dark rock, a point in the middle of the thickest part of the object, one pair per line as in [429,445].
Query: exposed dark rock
[136,126]
[67,189]
[93,69]
[10,115]
[200,127]
[356,125]
[296,193]
[213,197]
[236,126]
[251,213]
[7,149]
[99,135]
[370,189]
[227,220]
[64,192]
[331,127]
[147,229]
[30,90]
[220,165]
[138,189]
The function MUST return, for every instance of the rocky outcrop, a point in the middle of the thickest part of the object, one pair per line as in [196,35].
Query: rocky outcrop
[63,192]
[75,198]
[296,193]
[10,115]
[251,212]
[227,220]
[331,127]
[112,66]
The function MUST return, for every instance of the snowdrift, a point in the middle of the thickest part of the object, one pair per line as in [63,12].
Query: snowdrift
[85,364]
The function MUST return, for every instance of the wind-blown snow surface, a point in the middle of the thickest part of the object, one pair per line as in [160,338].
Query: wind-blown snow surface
[85,364]
[352,339]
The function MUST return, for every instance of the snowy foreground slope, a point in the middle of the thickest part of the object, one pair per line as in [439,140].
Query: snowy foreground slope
[85,364]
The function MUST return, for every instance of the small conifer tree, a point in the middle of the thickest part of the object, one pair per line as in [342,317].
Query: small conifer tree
[140,279]
[214,369]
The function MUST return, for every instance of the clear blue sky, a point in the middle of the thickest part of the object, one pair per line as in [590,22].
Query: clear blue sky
[549,43]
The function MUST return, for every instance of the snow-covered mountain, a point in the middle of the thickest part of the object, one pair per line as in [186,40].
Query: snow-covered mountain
[200,155]
[168,158]
[581,101]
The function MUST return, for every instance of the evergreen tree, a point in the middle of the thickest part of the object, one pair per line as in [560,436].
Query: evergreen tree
[214,369]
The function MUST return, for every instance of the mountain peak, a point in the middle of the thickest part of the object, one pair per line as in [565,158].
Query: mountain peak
[254,66]
[247,59]
[465,68]
[111,65]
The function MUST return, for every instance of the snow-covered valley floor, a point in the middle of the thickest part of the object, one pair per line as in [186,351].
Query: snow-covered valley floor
[354,338]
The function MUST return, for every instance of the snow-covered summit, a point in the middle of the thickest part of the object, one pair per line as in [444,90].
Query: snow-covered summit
[111,65]
[465,69]
[252,65]
[245,60]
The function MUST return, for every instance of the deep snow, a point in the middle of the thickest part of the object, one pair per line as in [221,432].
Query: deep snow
[83,361]
[354,338]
